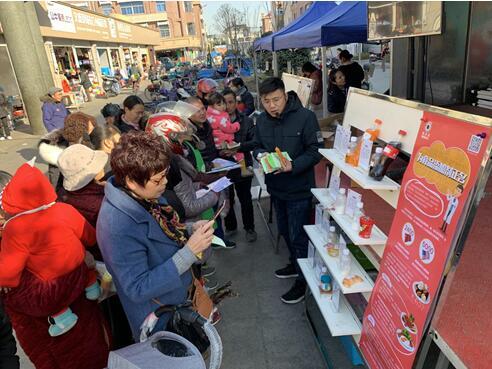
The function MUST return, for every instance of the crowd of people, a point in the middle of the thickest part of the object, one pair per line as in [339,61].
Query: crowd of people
[125,195]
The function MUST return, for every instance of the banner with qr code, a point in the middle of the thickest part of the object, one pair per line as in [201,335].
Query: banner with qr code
[434,192]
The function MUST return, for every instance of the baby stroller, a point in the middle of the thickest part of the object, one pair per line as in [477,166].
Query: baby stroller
[166,350]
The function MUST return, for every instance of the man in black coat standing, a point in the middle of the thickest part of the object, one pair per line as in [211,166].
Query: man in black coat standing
[8,349]
[286,124]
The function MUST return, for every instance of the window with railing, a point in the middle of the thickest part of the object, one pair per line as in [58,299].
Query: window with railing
[132,7]
[164,30]
[188,6]
[191,29]
[160,6]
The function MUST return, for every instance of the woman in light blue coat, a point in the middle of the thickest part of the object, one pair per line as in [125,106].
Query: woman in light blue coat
[146,248]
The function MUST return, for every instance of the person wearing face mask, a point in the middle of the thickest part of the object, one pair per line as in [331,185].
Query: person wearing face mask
[290,127]
[147,249]
[133,116]
[337,92]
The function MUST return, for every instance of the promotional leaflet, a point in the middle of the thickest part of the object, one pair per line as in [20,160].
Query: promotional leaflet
[434,192]
[352,199]
[342,139]
[365,154]
[334,185]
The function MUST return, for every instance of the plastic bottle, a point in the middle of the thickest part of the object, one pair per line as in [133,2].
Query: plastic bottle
[350,157]
[371,133]
[332,244]
[390,153]
[325,285]
[376,157]
[345,262]
[340,202]
[358,212]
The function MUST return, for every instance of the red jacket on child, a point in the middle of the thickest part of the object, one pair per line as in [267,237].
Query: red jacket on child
[40,235]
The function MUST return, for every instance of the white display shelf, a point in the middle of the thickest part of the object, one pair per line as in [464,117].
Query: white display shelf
[357,174]
[331,262]
[377,236]
[341,323]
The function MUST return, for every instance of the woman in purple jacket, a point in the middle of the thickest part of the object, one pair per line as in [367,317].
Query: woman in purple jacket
[54,111]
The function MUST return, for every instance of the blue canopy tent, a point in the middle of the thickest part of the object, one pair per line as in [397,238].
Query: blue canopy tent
[317,9]
[344,24]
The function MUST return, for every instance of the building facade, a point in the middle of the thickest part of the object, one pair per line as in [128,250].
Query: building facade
[266,23]
[74,36]
[179,23]
[294,9]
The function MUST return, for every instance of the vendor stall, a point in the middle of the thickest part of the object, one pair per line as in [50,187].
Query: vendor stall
[376,278]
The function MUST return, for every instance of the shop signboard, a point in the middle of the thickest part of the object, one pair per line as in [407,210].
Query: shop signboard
[441,174]
[61,17]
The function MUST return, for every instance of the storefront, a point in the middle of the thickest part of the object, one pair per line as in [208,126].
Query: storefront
[75,37]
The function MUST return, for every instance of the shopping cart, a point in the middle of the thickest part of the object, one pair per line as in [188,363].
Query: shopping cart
[166,350]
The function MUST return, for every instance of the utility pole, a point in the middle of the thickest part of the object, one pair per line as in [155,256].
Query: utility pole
[22,34]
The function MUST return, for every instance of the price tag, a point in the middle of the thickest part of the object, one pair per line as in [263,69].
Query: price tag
[365,154]
[334,185]
[318,218]
[352,199]
[335,296]
[342,139]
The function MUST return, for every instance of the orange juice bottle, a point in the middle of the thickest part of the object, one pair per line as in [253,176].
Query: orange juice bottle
[373,132]
[350,157]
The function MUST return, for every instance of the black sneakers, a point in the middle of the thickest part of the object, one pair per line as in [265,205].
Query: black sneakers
[251,235]
[288,272]
[296,293]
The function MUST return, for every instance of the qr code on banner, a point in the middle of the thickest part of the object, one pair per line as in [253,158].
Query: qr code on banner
[475,144]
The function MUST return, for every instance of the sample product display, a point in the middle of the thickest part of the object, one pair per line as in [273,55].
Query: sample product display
[371,133]
[390,153]
[352,158]
[340,202]
[366,225]
[345,262]
[349,282]
[376,157]
[359,212]
[332,244]
[325,285]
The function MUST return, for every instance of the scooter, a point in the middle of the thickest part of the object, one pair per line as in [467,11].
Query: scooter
[111,86]
[167,350]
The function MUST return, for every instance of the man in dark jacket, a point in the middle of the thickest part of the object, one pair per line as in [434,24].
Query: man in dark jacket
[290,127]
[354,74]
[242,185]
[8,349]
[54,111]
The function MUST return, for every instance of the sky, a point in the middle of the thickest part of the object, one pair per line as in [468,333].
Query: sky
[210,9]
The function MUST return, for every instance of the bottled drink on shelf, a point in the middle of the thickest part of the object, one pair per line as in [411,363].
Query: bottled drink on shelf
[371,133]
[340,202]
[332,244]
[376,157]
[358,212]
[345,262]
[351,157]
[375,129]
[390,153]
[325,285]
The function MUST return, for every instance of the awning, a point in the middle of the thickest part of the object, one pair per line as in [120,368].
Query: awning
[313,13]
[345,23]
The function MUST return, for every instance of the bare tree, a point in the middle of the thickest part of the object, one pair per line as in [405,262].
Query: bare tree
[229,21]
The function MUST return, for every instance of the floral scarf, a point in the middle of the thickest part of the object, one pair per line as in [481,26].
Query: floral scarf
[166,217]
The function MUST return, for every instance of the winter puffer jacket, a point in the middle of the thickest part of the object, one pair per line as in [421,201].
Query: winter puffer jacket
[42,236]
[297,132]
[51,146]
[186,189]
[54,113]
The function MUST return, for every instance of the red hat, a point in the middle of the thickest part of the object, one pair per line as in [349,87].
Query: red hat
[28,189]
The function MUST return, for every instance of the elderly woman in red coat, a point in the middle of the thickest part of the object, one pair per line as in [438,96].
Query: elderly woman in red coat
[33,218]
